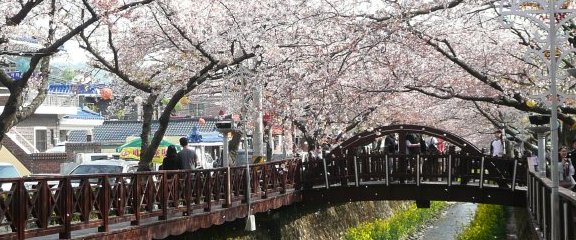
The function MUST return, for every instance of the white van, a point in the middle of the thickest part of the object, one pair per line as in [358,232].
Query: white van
[203,151]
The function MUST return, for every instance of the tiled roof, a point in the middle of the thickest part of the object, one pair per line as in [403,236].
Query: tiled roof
[73,88]
[85,114]
[118,131]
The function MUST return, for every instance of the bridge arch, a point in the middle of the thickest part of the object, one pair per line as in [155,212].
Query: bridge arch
[369,136]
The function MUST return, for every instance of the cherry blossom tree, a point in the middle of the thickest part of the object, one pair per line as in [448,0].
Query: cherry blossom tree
[486,64]
[335,67]
[172,49]
[51,24]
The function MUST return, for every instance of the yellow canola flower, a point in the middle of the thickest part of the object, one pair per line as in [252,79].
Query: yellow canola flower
[531,103]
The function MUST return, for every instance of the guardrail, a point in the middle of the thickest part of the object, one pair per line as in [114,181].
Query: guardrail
[452,169]
[539,197]
[47,205]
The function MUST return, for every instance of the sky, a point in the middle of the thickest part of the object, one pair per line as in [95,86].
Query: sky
[72,55]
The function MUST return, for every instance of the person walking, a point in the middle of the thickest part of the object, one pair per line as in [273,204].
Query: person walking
[572,155]
[497,145]
[187,156]
[171,161]
[497,149]
[565,169]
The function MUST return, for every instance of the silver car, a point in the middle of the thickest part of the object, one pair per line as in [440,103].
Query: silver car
[105,166]
[7,170]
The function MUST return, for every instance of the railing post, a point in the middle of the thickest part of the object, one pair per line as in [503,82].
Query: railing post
[104,203]
[544,222]
[417,169]
[136,190]
[387,167]
[530,190]
[228,201]
[19,208]
[188,192]
[537,206]
[266,168]
[164,196]
[208,192]
[450,170]
[482,172]
[368,166]
[325,173]
[565,225]
[356,171]
[198,186]
[42,203]
[287,171]
[66,206]
[514,174]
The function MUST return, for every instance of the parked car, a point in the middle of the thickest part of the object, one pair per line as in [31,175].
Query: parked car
[105,166]
[66,168]
[7,170]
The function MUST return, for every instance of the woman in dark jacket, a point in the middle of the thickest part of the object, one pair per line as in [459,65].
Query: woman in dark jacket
[171,161]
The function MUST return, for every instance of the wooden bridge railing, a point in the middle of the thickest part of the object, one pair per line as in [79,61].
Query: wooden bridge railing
[414,169]
[41,206]
[539,197]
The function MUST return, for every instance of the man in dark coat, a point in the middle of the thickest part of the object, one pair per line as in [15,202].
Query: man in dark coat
[187,156]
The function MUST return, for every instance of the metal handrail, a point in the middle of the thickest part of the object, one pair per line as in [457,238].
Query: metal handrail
[539,190]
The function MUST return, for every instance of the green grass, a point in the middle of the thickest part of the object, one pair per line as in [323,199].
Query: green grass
[488,223]
[401,224]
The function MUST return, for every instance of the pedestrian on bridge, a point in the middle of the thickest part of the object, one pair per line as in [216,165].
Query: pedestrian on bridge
[498,169]
[171,161]
[572,155]
[187,156]
[497,145]
[565,169]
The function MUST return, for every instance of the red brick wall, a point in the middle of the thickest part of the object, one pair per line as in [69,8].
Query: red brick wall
[45,162]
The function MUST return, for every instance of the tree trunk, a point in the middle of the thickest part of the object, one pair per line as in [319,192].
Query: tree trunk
[8,117]
[233,146]
[147,114]
[148,153]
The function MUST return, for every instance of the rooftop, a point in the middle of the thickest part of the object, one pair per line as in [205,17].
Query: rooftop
[85,114]
[118,131]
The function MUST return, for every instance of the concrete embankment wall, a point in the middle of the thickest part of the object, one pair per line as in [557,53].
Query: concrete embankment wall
[520,226]
[299,221]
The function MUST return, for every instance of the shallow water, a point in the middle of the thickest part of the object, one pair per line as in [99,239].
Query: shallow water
[452,221]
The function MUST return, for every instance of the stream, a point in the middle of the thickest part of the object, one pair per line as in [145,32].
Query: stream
[449,224]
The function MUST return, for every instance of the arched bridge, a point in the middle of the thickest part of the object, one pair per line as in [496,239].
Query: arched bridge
[158,204]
